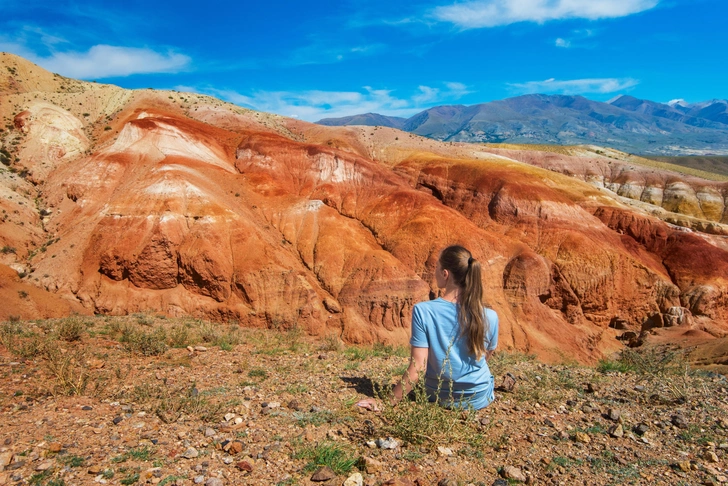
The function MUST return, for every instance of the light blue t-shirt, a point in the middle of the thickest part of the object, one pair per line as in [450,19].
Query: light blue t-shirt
[463,380]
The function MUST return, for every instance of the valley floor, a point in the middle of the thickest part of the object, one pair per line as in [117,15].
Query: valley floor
[147,400]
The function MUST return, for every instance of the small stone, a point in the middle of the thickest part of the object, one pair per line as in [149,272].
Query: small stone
[684,466]
[484,421]
[500,482]
[372,465]
[272,405]
[86,407]
[117,420]
[323,474]
[199,479]
[55,447]
[355,479]
[322,356]
[613,414]
[200,349]
[294,405]
[616,431]
[571,403]
[620,460]
[587,409]
[238,420]
[582,437]
[210,432]
[639,388]
[711,456]
[190,453]
[388,443]
[679,421]
[229,416]
[591,388]
[514,473]
[723,446]
[549,423]
[44,466]
[227,460]
[190,349]
[214,482]
[94,470]
[236,447]
[444,451]
[371,444]
[641,428]
[244,466]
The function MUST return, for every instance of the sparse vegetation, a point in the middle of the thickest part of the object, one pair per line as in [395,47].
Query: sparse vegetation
[71,329]
[146,343]
[419,420]
[339,458]
[178,395]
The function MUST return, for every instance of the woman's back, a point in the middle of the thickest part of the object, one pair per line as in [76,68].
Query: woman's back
[453,372]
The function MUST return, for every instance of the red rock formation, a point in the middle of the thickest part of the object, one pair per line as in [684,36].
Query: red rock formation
[199,208]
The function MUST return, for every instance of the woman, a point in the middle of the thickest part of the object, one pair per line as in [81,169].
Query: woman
[452,337]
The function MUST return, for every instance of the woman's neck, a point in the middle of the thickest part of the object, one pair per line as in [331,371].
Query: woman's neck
[451,294]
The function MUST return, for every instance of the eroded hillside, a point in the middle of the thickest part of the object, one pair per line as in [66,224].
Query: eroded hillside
[124,201]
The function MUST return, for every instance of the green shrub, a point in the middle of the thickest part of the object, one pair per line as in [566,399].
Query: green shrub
[335,456]
[145,343]
[179,336]
[71,329]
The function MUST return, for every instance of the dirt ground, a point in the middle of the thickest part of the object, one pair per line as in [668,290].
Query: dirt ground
[148,400]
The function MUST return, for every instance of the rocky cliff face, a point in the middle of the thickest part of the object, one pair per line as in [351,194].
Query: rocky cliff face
[180,204]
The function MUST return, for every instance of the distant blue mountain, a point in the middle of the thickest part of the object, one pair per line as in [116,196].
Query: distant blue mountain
[367,119]
[625,123]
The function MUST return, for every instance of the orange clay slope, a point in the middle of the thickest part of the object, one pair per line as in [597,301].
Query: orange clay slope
[127,201]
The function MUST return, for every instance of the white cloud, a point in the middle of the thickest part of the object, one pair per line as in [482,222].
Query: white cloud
[576,86]
[426,95]
[563,43]
[457,90]
[492,13]
[314,105]
[103,61]
[322,52]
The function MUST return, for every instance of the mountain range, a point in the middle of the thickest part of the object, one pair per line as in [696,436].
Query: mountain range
[624,123]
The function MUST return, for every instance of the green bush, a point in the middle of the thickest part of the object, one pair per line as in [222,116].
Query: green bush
[137,340]
[335,456]
[71,329]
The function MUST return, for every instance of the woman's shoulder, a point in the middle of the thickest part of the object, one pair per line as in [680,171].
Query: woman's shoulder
[491,315]
[434,307]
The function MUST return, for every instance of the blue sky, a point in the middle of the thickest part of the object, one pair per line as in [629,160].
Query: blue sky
[314,59]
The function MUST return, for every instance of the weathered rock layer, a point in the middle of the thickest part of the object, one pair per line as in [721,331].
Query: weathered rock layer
[194,207]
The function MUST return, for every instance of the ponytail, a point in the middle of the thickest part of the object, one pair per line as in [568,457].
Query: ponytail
[467,274]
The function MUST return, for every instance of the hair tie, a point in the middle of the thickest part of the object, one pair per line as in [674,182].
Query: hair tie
[470,261]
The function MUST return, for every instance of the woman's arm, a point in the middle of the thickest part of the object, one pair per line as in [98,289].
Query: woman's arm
[418,363]
[489,353]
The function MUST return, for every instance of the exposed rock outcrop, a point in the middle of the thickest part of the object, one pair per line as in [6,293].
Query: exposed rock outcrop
[194,207]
